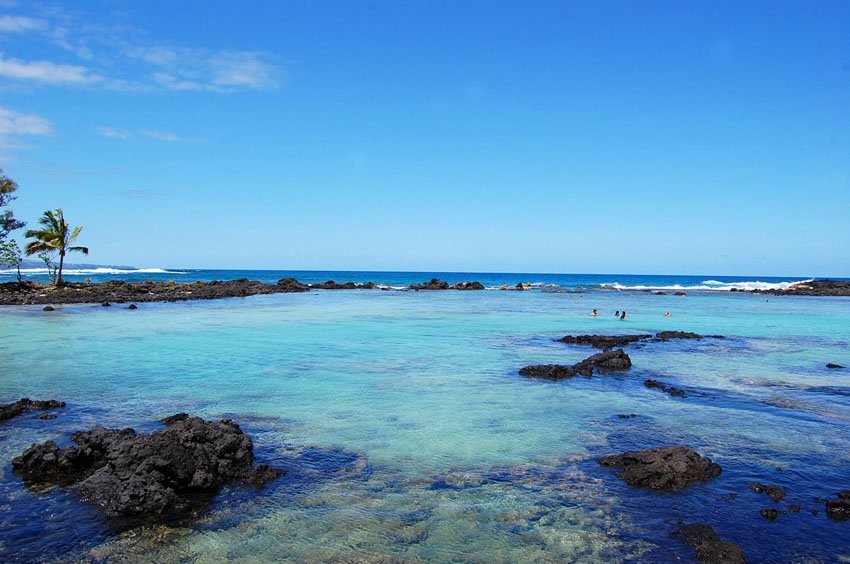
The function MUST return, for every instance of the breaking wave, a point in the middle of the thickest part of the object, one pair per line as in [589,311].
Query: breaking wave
[712,285]
[92,271]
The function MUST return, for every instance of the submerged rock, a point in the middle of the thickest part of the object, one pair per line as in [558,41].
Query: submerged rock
[832,365]
[773,492]
[770,514]
[669,335]
[708,544]
[604,342]
[48,308]
[25,405]
[608,361]
[672,390]
[132,306]
[839,508]
[148,477]
[669,468]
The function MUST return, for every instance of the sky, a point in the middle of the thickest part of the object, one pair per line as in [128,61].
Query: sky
[699,137]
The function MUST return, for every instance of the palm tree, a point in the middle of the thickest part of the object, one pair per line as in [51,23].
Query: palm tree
[54,236]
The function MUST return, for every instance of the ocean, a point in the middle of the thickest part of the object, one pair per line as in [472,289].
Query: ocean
[408,434]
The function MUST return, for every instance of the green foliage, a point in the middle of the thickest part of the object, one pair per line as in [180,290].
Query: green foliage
[54,236]
[10,256]
[8,223]
[52,267]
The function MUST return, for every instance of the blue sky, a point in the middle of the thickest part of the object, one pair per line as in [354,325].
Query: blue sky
[640,137]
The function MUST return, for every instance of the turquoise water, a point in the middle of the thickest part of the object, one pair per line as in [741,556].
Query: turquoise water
[409,435]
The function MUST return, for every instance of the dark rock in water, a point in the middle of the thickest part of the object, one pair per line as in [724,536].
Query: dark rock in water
[132,306]
[839,508]
[106,304]
[550,371]
[47,416]
[25,405]
[812,288]
[770,514]
[831,365]
[433,284]
[669,468]
[148,477]
[47,308]
[608,361]
[667,335]
[467,286]
[292,285]
[709,546]
[331,285]
[672,390]
[659,293]
[176,418]
[794,508]
[604,342]
[773,492]
[626,415]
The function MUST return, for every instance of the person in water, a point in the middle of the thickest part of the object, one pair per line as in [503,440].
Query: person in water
[623,316]
[666,314]
[617,313]
[594,313]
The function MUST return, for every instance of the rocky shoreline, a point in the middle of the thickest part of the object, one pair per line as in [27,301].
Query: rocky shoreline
[811,288]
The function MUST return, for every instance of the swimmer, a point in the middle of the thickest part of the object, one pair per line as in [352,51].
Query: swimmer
[617,313]
[666,314]
[594,313]
[623,316]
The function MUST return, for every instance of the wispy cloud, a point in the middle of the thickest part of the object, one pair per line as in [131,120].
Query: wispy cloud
[45,72]
[153,134]
[15,125]
[114,133]
[21,24]
[121,57]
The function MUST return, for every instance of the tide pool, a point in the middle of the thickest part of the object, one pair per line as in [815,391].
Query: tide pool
[410,435]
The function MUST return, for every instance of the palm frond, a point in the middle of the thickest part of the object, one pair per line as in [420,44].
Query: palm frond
[84,250]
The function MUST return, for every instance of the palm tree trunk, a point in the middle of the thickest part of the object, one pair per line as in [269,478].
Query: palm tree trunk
[61,264]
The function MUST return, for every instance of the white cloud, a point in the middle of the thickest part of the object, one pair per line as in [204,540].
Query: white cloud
[236,69]
[46,72]
[20,24]
[153,134]
[123,58]
[15,124]
[113,133]
[169,136]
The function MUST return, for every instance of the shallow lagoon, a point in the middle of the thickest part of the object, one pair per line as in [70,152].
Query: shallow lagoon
[409,434]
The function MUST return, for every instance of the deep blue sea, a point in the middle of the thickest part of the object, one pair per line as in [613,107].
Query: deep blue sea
[409,435]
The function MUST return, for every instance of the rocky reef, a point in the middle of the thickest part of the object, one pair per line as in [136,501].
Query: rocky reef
[608,361]
[839,508]
[603,342]
[148,478]
[26,405]
[812,288]
[670,468]
[437,284]
[672,390]
[709,547]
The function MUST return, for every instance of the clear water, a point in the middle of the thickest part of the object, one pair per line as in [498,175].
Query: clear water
[408,434]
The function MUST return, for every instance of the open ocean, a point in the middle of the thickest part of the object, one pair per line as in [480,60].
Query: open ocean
[409,435]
